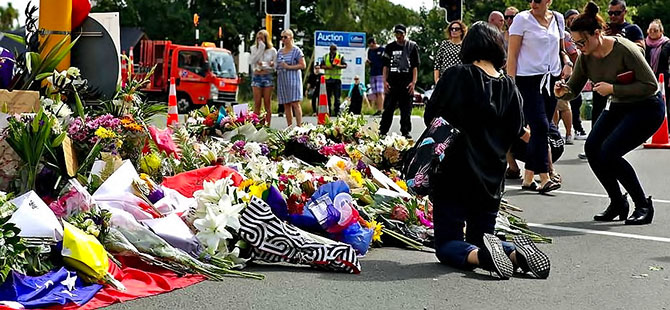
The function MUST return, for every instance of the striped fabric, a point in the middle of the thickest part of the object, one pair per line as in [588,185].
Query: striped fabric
[275,241]
[289,82]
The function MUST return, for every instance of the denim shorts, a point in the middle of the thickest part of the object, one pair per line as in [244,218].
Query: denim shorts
[262,80]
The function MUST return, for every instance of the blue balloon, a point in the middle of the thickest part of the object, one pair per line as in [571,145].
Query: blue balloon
[6,67]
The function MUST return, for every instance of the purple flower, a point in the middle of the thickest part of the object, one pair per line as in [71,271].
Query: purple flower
[156,195]
[265,150]
[361,166]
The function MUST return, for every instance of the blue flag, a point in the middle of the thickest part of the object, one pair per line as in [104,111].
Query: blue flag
[56,287]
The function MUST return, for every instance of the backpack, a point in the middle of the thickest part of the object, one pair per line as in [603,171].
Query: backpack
[423,160]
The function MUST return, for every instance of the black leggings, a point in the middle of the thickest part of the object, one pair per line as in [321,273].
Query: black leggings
[615,133]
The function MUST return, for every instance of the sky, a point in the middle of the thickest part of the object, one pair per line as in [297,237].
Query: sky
[412,4]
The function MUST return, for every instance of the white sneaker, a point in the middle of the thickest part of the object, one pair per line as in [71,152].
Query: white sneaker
[568,140]
[580,136]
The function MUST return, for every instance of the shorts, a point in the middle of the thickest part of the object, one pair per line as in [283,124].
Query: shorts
[377,84]
[262,80]
[563,106]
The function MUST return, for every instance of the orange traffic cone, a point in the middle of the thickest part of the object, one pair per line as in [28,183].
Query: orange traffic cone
[124,69]
[132,62]
[660,139]
[323,102]
[173,116]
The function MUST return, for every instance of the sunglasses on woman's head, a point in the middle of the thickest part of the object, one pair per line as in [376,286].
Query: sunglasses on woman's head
[509,16]
[614,13]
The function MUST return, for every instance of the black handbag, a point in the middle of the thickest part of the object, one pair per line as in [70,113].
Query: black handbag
[423,160]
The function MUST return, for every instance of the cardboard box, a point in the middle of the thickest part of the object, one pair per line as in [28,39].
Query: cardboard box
[20,101]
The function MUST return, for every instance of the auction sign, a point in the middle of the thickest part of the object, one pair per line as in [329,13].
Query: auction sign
[352,47]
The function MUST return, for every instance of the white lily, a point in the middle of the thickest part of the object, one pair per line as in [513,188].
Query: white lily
[212,229]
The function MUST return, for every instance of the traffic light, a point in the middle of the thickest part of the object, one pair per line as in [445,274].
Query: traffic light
[454,9]
[275,7]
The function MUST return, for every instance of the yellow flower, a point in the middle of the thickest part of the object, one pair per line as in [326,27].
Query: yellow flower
[104,133]
[402,184]
[246,184]
[341,165]
[258,190]
[150,163]
[356,176]
[355,156]
[376,236]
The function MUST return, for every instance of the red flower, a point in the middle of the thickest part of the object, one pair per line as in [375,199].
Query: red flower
[294,206]
[400,213]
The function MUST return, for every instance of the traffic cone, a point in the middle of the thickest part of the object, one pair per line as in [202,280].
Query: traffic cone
[323,102]
[132,62]
[173,116]
[660,139]
[124,69]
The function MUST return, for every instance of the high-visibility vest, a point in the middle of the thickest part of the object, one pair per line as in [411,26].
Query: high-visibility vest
[335,73]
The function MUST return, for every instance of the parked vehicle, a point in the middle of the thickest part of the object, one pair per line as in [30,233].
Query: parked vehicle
[203,74]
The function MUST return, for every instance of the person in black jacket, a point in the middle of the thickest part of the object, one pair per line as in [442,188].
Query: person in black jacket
[486,107]
[658,54]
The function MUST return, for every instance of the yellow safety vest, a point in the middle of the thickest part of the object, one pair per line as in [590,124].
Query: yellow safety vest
[335,73]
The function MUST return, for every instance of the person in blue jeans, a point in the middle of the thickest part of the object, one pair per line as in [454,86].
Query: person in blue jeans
[486,107]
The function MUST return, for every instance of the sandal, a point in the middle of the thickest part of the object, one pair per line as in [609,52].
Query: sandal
[549,186]
[512,174]
[555,176]
[530,187]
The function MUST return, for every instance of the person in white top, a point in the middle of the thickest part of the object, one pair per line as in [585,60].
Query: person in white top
[263,57]
[534,60]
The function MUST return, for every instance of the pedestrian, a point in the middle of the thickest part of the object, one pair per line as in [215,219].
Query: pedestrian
[376,62]
[497,19]
[484,104]
[356,96]
[635,112]
[576,104]
[401,69]
[314,87]
[510,13]
[263,57]
[449,52]
[333,63]
[563,107]
[658,53]
[290,63]
[535,53]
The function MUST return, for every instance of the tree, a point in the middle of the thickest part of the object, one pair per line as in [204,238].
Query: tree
[8,16]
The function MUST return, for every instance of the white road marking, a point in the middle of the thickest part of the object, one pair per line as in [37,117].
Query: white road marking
[600,232]
[585,194]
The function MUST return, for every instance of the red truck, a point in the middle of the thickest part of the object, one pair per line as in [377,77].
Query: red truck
[203,74]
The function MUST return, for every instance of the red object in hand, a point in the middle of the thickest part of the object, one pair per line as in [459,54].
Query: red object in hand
[80,10]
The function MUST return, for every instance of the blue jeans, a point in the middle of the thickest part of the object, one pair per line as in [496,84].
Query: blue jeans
[538,110]
[615,133]
[449,217]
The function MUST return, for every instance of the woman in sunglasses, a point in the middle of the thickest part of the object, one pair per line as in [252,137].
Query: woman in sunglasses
[448,54]
[290,63]
[535,51]
[618,69]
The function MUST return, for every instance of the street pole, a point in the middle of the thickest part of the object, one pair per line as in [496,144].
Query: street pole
[287,17]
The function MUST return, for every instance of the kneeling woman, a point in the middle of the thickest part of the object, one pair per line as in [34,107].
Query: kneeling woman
[618,68]
[485,106]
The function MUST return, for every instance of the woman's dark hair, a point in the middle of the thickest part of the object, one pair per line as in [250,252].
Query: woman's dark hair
[483,42]
[589,21]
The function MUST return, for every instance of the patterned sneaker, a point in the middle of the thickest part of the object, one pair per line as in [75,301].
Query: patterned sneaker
[493,258]
[530,258]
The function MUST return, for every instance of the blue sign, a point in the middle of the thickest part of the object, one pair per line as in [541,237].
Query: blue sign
[343,39]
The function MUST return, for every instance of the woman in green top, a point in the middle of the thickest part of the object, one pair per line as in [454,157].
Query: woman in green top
[618,68]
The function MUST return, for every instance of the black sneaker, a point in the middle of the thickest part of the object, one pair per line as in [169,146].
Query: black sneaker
[492,257]
[378,113]
[530,258]
[582,155]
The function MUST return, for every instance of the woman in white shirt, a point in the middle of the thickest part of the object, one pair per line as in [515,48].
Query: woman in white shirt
[534,60]
[263,57]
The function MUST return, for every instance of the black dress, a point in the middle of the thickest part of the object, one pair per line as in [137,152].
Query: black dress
[488,112]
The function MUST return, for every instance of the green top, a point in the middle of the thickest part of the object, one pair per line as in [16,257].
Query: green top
[625,56]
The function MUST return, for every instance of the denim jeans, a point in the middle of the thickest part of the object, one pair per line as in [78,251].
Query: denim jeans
[616,132]
[449,217]
[538,110]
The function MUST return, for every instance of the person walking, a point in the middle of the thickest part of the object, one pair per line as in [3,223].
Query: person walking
[636,111]
[576,104]
[449,52]
[314,87]
[263,57]
[333,63]
[356,96]
[290,63]
[401,70]
[485,106]
[658,54]
[535,52]
[376,62]
[564,108]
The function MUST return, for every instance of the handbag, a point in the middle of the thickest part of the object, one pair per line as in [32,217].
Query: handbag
[423,160]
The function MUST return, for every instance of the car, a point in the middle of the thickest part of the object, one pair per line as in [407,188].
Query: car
[427,94]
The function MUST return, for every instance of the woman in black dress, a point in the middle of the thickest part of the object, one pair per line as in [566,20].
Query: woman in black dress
[486,107]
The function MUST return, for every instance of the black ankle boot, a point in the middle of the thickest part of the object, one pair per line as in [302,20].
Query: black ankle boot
[642,214]
[615,209]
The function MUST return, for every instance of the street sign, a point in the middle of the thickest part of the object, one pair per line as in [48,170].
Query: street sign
[352,47]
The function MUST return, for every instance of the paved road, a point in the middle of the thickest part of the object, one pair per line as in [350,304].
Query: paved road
[594,265]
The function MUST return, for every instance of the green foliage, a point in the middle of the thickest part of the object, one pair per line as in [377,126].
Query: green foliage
[8,16]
